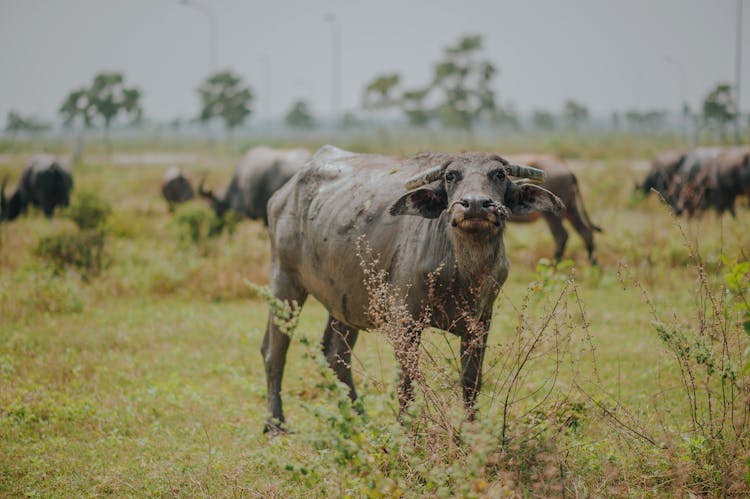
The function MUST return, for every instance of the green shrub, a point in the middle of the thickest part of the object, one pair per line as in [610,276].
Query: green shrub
[198,224]
[82,250]
[88,211]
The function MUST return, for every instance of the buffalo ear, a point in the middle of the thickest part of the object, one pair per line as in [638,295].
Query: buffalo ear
[428,202]
[523,198]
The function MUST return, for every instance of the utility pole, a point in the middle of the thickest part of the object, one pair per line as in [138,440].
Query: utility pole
[335,66]
[213,30]
[682,107]
[265,71]
[737,73]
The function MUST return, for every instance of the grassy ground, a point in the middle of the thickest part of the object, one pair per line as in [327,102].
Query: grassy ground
[146,380]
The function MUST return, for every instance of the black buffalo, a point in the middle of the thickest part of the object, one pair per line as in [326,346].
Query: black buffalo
[176,187]
[46,182]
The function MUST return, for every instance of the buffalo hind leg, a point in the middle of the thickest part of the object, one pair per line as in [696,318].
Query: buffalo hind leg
[338,342]
[585,230]
[275,346]
[473,345]
[558,232]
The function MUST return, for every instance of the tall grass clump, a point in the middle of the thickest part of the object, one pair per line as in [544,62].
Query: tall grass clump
[706,429]
[433,449]
[198,225]
[82,249]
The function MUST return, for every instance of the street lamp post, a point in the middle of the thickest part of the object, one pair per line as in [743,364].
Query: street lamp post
[737,73]
[213,29]
[265,71]
[681,68]
[335,65]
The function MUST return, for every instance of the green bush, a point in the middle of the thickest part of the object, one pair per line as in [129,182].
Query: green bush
[88,211]
[82,250]
[198,224]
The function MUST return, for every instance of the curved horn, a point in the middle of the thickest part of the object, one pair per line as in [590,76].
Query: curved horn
[426,176]
[203,192]
[535,175]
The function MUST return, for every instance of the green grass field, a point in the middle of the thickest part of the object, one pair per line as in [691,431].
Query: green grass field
[146,378]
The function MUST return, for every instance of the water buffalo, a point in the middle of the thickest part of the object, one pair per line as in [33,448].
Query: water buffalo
[682,188]
[45,182]
[259,174]
[562,182]
[438,245]
[724,178]
[176,188]
[663,169]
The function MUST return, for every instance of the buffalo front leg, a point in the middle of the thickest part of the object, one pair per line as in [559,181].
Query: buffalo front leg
[338,341]
[275,345]
[473,346]
[407,355]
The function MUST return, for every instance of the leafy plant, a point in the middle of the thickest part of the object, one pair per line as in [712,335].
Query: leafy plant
[88,211]
[198,225]
[82,249]
[225,96]
[299,115]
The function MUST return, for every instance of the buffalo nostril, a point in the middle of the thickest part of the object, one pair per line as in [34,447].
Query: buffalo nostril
[464,203]
[487,204]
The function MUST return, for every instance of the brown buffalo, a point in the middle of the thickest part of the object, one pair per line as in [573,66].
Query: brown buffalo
[562,182]
[724,179]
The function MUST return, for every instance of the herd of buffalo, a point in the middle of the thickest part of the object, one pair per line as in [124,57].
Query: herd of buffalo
[692,182]
[433,225]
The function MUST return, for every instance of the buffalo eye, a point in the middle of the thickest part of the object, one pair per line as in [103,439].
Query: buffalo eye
[452,176]
[497,174]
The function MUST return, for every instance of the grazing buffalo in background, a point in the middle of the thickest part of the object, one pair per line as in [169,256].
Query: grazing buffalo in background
[662,171]
[176,188]
[718,185]
[259,174]
[45,182]
[439,246]
[562,182]
[682,186]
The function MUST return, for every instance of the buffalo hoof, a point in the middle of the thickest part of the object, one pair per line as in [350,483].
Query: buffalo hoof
[275,428]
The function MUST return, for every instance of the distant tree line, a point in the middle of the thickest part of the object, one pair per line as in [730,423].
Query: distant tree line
[459,95]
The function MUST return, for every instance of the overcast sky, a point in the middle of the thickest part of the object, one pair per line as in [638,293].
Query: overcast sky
[608,54]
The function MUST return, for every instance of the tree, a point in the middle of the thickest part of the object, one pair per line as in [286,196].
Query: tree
[15,123]
[719,108]
[377,94]
[414,107]
[225,96]
[109,97]
[506,117]
[465,84]
[646,121]
[575,114]
[299,116]
[105,99]
[76,105]
[543,120]
[616,121]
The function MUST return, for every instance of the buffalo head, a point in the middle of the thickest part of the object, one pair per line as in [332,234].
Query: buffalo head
[477,192]
[10,208]
[218,203]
